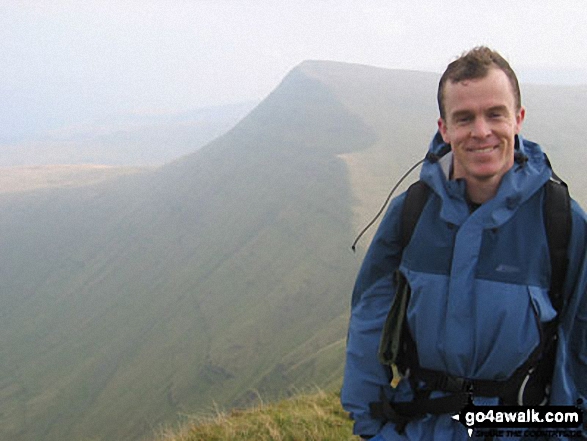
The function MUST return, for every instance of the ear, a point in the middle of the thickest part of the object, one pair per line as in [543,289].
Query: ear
[520,119]
[443,130]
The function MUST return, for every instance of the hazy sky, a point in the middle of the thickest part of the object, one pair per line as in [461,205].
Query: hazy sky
[62,62]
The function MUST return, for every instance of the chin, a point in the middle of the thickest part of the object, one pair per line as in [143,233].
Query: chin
[488,174]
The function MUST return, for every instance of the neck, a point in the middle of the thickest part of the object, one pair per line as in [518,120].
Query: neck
[480,192]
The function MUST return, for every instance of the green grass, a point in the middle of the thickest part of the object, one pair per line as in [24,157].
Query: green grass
[316,417]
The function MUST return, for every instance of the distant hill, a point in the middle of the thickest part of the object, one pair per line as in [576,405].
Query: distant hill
[126,140]
[223,275]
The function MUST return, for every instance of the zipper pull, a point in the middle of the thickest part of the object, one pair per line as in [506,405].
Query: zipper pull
[397,377]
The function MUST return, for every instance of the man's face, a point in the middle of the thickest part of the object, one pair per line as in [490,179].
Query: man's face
[480,123]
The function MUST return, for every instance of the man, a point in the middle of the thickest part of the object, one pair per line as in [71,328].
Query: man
[478,271]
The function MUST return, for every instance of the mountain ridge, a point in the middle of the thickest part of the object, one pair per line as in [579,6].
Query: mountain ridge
[159,262]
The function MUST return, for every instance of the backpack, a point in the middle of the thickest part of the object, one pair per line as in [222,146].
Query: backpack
[529,385]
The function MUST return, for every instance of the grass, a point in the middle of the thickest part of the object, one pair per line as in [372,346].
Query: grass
[315,417]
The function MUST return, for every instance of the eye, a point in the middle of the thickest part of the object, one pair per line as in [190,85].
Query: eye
[495,114]
[463,119]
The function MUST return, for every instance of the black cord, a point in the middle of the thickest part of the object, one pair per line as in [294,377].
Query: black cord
[353,246]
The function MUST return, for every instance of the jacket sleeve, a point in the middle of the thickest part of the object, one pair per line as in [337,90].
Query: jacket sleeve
[569,385]
[365,379]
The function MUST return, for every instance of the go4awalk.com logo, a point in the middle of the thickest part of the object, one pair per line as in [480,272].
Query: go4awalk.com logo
[517,421]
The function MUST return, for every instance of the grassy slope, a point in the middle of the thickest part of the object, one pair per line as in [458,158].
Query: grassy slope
[316,417]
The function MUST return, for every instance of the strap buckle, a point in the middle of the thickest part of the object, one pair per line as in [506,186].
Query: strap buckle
[456,384]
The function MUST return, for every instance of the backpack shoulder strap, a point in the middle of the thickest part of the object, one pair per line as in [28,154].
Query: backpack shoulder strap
[558,223]
[416,197]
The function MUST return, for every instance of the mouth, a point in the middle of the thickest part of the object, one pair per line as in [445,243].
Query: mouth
[487,149]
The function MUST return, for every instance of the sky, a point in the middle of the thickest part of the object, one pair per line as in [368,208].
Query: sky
[64,62]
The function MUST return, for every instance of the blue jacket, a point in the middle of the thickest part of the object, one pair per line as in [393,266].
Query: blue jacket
[479,284]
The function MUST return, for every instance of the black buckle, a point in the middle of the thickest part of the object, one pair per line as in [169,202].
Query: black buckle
[456,384]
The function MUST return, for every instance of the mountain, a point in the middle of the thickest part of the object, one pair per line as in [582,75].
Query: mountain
[223,275]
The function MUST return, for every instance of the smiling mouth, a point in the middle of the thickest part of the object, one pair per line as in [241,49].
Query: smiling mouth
[481,149]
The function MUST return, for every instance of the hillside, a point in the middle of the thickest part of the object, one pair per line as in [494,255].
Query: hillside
[316,417]
[222,275]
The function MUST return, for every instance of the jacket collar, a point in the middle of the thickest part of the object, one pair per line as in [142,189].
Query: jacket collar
[528,174]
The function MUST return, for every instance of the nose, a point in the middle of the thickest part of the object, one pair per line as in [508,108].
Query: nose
[480,128]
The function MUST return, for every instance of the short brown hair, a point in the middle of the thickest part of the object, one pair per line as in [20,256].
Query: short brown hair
[475,64]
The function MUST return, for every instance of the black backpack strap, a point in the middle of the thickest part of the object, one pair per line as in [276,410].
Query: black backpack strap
[416,197]
[558,223]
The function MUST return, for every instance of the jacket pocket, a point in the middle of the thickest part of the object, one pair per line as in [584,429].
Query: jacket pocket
[541,304]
